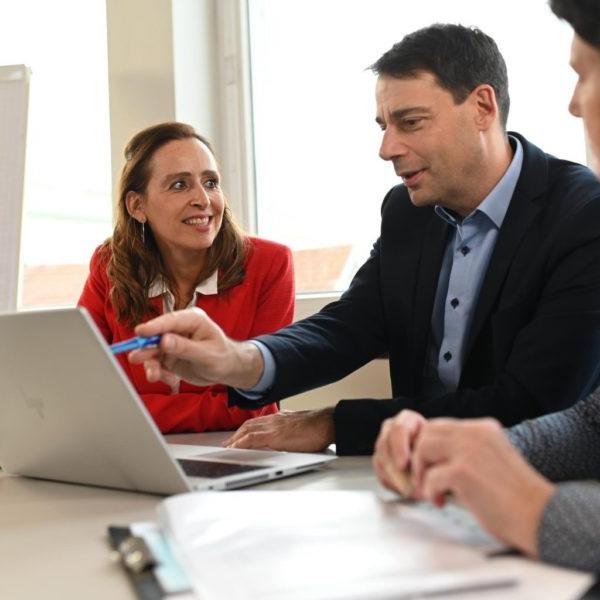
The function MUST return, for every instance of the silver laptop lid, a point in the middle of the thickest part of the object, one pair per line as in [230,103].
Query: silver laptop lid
[69,413]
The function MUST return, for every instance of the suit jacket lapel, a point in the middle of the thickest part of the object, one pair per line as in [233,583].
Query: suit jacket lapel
[521,212]
[433,245]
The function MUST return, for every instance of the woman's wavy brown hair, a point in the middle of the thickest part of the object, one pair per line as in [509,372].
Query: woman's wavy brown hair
[134,263]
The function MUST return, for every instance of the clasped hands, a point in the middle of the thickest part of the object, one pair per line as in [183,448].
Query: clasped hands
[475,462]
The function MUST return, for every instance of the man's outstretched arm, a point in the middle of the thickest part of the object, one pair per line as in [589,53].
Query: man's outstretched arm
[193,347]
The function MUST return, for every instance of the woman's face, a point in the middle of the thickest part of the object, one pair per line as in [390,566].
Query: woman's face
[183,203]
[585,103]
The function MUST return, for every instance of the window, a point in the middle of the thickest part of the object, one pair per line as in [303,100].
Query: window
[319,181]
[67,210]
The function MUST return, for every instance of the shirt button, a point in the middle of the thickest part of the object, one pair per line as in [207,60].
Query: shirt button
[454,302]
[465,250]
[448,356]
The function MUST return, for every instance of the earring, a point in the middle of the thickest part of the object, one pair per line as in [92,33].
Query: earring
[143,223]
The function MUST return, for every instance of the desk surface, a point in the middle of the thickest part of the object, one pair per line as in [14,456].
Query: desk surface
[52,535]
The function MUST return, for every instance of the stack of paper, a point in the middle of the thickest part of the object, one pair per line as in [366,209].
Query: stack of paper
[331,545]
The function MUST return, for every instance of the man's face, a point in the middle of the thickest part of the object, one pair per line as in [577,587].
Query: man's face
[433,142]
[585,103]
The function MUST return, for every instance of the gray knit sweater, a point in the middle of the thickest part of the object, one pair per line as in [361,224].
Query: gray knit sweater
[565,447]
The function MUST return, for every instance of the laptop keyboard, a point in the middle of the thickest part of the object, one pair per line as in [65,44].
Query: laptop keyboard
[213,470]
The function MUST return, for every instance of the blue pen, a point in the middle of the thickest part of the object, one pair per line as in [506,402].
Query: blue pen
[134,343]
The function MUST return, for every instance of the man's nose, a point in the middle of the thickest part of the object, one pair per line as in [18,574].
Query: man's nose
[574,107]
[392,145]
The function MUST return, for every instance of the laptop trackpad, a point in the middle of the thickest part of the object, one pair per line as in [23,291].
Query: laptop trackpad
[213,470]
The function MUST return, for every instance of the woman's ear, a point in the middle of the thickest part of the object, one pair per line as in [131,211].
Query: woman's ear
[135,206]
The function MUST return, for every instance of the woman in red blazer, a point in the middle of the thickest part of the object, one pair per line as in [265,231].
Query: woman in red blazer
[175,245]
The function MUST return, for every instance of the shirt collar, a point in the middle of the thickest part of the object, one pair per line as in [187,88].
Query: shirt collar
[208,287]
[495,204]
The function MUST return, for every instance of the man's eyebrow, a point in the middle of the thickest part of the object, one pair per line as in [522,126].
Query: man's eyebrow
[397,115]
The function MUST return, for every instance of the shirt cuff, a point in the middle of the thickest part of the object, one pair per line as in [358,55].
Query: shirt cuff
[265,383]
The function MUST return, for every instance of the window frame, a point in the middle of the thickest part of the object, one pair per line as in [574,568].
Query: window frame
[237,138]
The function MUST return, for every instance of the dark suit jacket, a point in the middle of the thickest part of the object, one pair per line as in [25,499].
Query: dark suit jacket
[534,344]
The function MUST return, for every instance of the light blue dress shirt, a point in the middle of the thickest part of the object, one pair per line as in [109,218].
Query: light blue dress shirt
[464,266]
[465,263]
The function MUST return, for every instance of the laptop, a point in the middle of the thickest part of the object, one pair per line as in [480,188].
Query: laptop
[69,413]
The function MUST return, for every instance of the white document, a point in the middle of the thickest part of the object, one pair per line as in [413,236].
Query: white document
[343,545]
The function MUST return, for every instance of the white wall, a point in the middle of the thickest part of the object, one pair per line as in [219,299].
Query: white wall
[140,70]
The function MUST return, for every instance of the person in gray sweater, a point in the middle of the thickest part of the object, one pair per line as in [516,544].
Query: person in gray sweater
[535,486]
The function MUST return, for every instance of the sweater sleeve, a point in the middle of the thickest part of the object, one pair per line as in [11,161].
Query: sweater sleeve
[570,527]
[564,445]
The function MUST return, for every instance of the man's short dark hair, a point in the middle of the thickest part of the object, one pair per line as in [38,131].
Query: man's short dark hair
[461,58]
[582,15]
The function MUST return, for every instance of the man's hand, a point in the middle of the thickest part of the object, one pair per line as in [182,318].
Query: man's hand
[393,448]
[475,461]
[194,348]
[300,431]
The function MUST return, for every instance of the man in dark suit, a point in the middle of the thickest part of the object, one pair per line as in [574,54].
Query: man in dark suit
[535,486]
[483,288]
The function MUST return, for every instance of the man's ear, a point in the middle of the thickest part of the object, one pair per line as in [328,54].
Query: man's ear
[486,107]
[135,206]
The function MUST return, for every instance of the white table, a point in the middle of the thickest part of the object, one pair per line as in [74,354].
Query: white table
[53,541]
[53,535]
